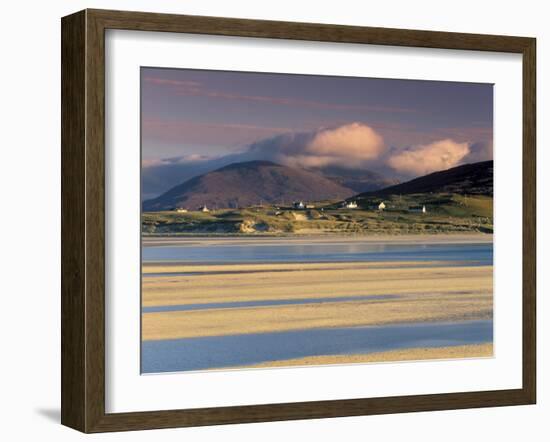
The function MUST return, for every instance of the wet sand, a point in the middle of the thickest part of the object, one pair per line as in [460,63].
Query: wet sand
[307,280]
[409,354]
[425,293]
[250,308]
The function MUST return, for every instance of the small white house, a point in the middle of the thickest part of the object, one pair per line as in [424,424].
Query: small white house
[181,210]
[381,206]
[349,205]
[417,209]
[299,205]
[204,209]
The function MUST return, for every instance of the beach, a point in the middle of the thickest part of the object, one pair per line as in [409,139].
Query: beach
[420,293]
[185,301]
[412,354]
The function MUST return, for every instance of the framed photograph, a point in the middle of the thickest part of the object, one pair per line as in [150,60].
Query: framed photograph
[267,221]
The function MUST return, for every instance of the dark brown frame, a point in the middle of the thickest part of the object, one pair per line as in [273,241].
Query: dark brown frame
[83,217]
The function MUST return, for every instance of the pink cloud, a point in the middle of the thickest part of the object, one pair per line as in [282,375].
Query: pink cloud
[349,145]
[356,141]
[427,158]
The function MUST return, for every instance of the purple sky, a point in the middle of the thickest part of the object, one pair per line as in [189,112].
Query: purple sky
[396,125]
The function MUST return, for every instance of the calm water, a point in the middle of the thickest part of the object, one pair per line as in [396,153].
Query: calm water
[481,254]
[238,350]
[262,303]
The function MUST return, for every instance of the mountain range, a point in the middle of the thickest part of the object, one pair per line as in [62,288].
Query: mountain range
[250,183]
[472,179]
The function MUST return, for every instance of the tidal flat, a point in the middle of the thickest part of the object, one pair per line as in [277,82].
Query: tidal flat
[189,302]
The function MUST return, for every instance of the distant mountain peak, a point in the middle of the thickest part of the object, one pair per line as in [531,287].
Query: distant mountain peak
[249,183]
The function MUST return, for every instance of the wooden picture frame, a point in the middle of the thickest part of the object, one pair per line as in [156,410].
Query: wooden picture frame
[83,220]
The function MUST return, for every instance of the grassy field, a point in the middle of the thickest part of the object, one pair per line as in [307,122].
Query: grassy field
[446,213]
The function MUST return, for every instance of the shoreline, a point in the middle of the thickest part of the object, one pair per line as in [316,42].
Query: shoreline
[443,238]
[179,268]
[484,350]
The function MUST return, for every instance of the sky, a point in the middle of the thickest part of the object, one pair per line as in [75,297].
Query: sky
[197,120]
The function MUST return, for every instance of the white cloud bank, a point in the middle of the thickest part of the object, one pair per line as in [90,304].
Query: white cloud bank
[349,145]
[352,146]
[427,158]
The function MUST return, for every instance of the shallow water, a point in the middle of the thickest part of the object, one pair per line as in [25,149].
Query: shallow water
[238,350]
[261,303]
[474,254]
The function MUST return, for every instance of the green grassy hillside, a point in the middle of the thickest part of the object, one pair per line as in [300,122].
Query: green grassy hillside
[446,213]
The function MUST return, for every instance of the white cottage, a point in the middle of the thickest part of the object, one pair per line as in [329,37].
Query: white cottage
[349,205]
[381,206]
